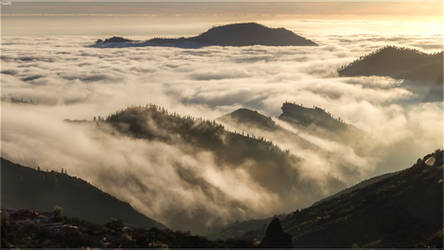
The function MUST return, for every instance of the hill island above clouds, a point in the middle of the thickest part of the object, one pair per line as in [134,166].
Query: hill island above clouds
[238,34]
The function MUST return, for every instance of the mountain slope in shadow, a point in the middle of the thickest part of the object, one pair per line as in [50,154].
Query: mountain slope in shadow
[421,72]
[402,209]
[238,34]
[27,188]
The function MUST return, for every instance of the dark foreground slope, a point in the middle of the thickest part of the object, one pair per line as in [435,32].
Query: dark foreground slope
[239,34]
[421,72]
[27,188]
[25,228]
[402,209]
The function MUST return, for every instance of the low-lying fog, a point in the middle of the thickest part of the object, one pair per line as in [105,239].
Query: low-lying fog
[46,79]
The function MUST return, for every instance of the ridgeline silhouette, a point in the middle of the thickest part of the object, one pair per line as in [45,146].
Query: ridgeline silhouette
[239,34]
[421,72]
[249,118]
[256,123]
[297,114]
[156,123]
[319,122]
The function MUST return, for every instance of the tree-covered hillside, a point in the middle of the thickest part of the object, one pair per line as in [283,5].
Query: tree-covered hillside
[319,122]
[316,116]
[399,63]
[155,123]
[421,72]
[254,122]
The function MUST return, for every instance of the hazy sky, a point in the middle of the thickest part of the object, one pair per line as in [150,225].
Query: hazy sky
[184,19]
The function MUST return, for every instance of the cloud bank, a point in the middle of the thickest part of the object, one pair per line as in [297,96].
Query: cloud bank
[64,79]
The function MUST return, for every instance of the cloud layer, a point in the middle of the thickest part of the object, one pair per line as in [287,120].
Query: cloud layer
[63,79]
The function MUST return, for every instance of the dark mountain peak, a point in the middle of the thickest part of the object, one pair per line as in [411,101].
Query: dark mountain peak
[238,29]
[250,118]
[245,34]
[296,109]
[305,116]
[398,63]
[401,51]
[238,34]
[238,26]
[393,54]
[275,236]
[114,39]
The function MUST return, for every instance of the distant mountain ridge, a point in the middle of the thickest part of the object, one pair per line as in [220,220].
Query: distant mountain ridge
[292,113]
[305,117]
[27,188]
[399,63]
[249,118]
[238,34]
[318,121]
[254,122]
[422,73]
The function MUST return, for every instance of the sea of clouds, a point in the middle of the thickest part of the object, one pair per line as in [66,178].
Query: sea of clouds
[47,79]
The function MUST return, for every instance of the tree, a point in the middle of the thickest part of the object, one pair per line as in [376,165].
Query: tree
[275,237]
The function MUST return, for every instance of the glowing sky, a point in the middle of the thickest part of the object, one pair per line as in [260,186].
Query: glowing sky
[172,19]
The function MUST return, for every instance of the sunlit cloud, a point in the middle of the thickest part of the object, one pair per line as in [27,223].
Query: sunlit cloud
[65,79]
